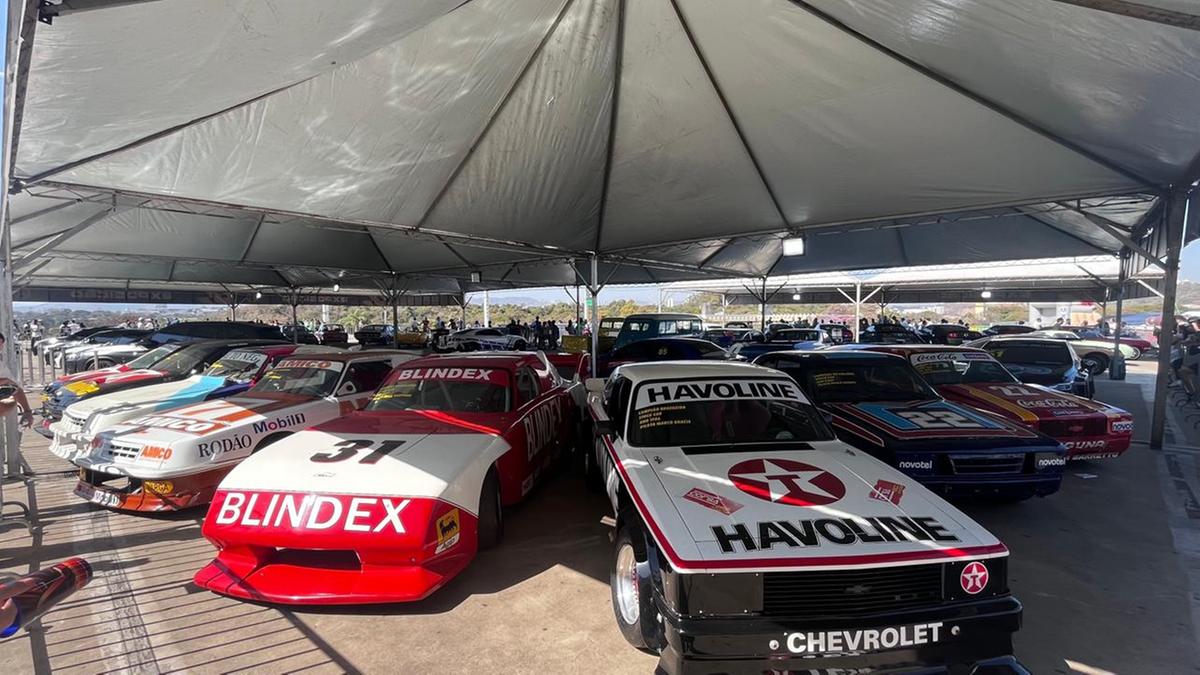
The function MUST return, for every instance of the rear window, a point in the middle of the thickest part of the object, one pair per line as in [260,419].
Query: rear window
[798,335]
[940,368]
[724,412]
[448,389]
[857,382]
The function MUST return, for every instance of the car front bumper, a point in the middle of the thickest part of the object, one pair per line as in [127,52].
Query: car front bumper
[134,494]
[972,639]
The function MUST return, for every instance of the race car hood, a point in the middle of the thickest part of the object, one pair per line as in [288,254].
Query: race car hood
[109,408]
[423,457]
[1026,402]
[795,505]
[195,422]
[930,425]
[99,375]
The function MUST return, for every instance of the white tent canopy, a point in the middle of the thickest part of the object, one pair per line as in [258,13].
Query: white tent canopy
[673,138]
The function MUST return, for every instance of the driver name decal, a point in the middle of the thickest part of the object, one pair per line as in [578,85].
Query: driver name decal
[470,374]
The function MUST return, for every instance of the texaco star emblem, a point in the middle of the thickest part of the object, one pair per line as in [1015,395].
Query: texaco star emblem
[786,481]
[974,577]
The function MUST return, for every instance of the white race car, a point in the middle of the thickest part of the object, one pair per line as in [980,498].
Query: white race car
[174,459]
[232,373]
[748,538]
[480,339]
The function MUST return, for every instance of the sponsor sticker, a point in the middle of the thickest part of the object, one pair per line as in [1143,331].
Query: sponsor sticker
[933,357]
[1122,427]
[786,481]
[155,453]
[887,491]
[866,640]
[713,501]
[222,446]
[920,465]
[81,388]
[101,497]
[1044,462]
[368,515]
[974,577]
[1086,445]
[658,393]
[447,531]
[467,374]
[197,427]
[1055,402]
[311,364]
[849,531]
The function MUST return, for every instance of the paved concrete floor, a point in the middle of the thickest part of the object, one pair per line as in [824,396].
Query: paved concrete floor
[1105,569]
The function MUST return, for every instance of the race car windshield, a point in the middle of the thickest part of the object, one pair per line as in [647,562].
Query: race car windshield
[855,383]
[308,382]
[726,422]
[957,369]
[237,366]
[153,356]
[442,395]
[1042,355]
[183,361]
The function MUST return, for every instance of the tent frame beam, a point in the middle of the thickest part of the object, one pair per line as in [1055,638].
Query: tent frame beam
[63,236]
[733,118]
[1120,235]
[984,101]
[1136,10]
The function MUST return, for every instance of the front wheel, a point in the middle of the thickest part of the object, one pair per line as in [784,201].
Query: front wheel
[491,516]
[1095,363]
[633,592]
[1137,354]
[520,346]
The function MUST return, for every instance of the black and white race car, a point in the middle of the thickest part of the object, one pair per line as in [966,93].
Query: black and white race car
[479,339]
[750,539]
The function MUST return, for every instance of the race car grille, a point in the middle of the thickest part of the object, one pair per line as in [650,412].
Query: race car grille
[986,464]
[119,451]
[851,592]
[72,424]
[1068,428]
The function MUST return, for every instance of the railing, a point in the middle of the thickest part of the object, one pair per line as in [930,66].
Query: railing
[37,370]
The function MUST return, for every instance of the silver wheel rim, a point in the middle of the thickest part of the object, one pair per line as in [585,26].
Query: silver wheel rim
[627,585]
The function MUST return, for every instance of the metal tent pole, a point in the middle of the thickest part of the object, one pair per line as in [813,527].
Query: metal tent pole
[487,310]
[857,309]
[1120,307]
[762,307]
[594,291]
[295,321]
[395,298]
[1174,213]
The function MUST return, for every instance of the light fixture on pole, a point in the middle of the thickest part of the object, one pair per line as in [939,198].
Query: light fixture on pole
[337,287]
[793,246]
[258,295]
[476,276]
[796,296]
[985,295]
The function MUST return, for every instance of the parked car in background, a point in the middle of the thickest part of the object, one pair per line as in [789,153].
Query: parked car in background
[610,328]
[333,334]
[1088,429]
[735,507]
[838,333]
[1045,361]
[480,339]
[780,340]
[945,333]
[1095,353]
[738,324]
[646,326]
[889,333]
[47,347]
[660,349]
[375,335]
[174,459]
[881,405]
[1007,329]
[233,370]
[102,349]
[184,331]
[299,334]
[420,477]
[725,337]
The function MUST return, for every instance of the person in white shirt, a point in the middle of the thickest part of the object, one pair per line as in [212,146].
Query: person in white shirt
[15,397]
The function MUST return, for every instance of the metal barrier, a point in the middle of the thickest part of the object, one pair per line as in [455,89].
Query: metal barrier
[37,370]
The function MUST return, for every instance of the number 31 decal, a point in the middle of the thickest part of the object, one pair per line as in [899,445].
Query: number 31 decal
[350,448]
[939,419]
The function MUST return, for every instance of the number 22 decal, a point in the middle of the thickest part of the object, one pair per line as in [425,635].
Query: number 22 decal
[939,419]
[349,448]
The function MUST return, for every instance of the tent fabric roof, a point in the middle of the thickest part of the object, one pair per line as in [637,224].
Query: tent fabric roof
[674,138]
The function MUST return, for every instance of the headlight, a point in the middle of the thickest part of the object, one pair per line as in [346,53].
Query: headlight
[1064,386]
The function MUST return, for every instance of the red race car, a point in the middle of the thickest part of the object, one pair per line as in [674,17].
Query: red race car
[389,503]
[1089,429]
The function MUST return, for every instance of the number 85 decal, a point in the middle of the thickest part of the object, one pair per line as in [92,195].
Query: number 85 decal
[939,419]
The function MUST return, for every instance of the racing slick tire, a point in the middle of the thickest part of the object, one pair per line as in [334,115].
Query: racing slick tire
[491,515]
[1095,362]
[632,589]
[520,346]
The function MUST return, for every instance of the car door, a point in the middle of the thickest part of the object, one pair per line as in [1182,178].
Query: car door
[537,435]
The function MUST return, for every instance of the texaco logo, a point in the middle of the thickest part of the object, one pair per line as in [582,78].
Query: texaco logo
[974,577]
[786,481]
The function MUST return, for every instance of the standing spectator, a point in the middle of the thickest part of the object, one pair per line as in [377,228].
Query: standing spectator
[553,334]
[35,335]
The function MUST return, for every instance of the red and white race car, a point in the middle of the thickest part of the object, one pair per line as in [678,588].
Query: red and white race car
[174,459]
[389,503]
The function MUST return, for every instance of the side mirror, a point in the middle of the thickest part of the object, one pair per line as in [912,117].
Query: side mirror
[347,389]
[603,427]
[595,385]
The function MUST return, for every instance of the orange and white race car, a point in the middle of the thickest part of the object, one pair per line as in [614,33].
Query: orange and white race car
[174,459]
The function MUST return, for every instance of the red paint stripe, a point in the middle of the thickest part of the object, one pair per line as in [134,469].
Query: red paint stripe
[760,563]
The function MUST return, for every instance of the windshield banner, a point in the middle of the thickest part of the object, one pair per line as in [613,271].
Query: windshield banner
[658,393]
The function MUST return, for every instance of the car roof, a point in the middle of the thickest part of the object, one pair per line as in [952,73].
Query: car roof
[861,355]
[474,359]
[235,343]
[1026,338]
[327,354]
[663,316]
[924,348]
[675,370]
[679,339]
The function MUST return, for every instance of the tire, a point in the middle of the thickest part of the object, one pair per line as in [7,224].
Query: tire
[468,347]
[520,346]
[632,589]
[1137,354]
[491,515]
[1095,362]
